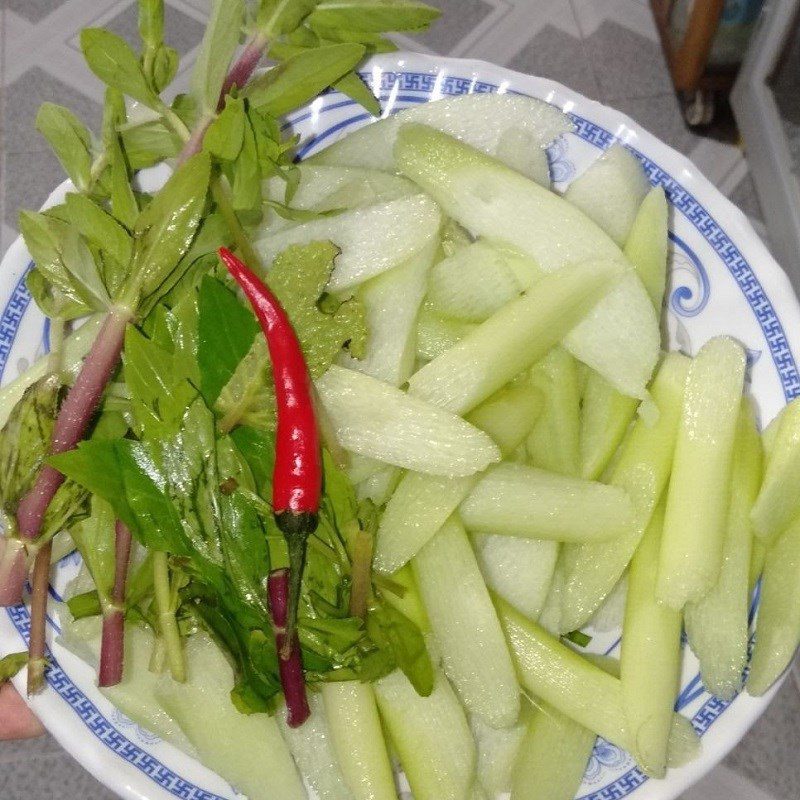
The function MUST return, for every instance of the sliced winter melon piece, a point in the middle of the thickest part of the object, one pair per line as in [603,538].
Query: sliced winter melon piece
[247,750]
[324,189]
[508,416]
[374,419]
[510,127]
[497,752]
[392,302]
[647,244]
[620,337]
[372,240]
[437,334]
[611,191]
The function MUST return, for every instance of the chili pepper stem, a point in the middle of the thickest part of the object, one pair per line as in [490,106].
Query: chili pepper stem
[112,647]
[290,664]
[40,583]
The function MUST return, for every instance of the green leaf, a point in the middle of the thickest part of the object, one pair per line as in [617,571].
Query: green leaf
[353,86]
[166,227]
[391,629]
[53,302]
[225,136]
[279,17]
[85,605]
[246,194]
[221,347]
[95,538]
[99,227]
[374,15]
[124,473]
[11,665]
[148,143]
[257,448]
[219,44]
[302,77]
[123,200]
[112,60]
[70,140]
[165,67]
[159,393]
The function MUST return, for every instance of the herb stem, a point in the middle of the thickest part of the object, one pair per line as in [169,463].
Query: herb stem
[221,194]
[112,647]
[166,617]
[244,66]
[40,582]
[361,574]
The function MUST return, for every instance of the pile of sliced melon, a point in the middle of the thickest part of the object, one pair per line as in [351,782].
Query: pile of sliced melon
[534,455]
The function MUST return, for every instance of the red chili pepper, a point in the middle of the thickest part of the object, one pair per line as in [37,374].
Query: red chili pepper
[297,476]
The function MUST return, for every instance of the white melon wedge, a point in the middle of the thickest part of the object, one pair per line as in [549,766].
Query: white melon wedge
[420,505]
[323,189]
[514,338]
[610,191]
[717,626]
[778,501]
[431,735]
[248,751]
[508,416]
[474,653]
[620,337]
[392,301]
[372,240]
[311,746]
[518,570]
[357,739]
[477,280]
[436,334]
[643,469]
[497,752]
[552,757]
[516,500]
[647,244]
[374,419]
[697,501]
[514,128]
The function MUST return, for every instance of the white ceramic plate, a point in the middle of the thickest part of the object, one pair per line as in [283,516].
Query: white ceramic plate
[723,280]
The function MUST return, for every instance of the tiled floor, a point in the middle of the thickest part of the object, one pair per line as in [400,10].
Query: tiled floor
[605,48]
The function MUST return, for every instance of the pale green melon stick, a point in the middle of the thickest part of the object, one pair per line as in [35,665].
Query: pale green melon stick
[778,622]
[607,413]
[554,441]
[717,625]
[592,570]
[650,666]
[358,741]
[514,338]
[431,735]
[778,501]
[697,501]
[474,653]
[552,758]
[508,416]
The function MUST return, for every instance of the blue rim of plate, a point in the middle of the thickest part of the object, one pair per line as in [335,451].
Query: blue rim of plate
[592,133]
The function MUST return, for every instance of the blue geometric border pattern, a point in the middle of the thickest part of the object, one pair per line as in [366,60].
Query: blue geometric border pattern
[11,317]
[103,730]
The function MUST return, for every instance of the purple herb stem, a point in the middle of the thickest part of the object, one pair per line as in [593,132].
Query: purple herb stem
[290,664]
[112,647]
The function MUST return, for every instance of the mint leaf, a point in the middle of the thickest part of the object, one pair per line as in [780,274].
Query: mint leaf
[123,201]
[11,665]
[257,447]
[70,140]
[112,60]
[374,15]
[217,49]
[221,346]
[354,87]
[225,136]
[302,76]
[99,227]
[247,173]
[148,143]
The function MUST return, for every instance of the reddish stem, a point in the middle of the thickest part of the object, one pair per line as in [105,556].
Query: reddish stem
[244,66]
[290,664]
[112,648]
[194,144]
[36,651]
